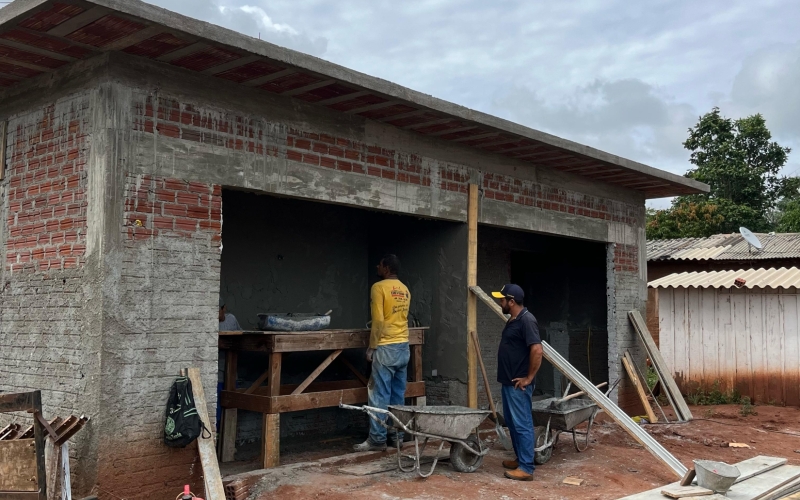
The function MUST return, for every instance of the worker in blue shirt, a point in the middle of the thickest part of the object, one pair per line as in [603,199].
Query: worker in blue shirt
[518,359]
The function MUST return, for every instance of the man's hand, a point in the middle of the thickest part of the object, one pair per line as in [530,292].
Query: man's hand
[369,354]
[522,383]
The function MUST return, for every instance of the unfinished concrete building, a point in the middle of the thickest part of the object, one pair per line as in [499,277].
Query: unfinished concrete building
[153,161]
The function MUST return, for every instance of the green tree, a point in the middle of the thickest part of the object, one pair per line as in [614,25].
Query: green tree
[741,164]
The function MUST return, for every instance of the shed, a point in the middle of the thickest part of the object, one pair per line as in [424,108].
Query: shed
[735,330]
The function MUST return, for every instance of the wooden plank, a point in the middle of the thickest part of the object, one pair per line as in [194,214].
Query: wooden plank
[305,401]
[680,355]
[416,360]
[317,371]
[775,348]
[18,468]
[472,301]
[742,343]
[695,339]
[271,432]
[208,456]
[329,340]
[627,362]
[708,302]
[758,351]
[19,401]
[355,371]
[335,385]
[271,423]
[658,363]
[791,380]
[685,491]
[726,341]
[260,380]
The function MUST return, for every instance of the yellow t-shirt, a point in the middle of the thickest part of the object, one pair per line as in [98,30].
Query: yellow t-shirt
[389,301]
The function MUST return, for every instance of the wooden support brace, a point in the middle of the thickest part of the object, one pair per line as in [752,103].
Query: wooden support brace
[316,372]
[627,362]
[260,380]
[353,369]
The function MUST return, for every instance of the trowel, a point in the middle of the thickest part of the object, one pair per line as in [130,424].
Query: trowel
[496,417]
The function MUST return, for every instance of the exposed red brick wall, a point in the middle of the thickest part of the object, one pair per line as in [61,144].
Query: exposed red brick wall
[185,121]
[626,258]
[47,191]
[171,207]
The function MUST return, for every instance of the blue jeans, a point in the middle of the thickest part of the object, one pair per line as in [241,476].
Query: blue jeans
[517,411]
[387,385]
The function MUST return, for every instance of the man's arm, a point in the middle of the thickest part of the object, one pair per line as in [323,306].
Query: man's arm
[376,310]
[533,367]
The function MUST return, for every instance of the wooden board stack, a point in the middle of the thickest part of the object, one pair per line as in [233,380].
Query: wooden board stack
[667,382]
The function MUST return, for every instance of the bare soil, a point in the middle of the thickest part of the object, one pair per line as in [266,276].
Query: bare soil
[613,466]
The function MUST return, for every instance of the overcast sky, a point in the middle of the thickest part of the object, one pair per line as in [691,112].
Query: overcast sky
[626,77]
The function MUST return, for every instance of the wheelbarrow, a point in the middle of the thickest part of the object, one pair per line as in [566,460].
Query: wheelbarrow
[562,416]
[456,425]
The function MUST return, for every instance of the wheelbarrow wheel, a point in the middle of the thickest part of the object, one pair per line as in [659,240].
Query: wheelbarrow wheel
[543,456]
[464,460]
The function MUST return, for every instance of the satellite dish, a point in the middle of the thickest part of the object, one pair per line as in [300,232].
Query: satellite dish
[751,238]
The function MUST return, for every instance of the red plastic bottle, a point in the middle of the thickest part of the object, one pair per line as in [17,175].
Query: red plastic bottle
[187,493]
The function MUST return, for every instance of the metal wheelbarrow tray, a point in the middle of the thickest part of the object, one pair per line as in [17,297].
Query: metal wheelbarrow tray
[456,425]
[551,419]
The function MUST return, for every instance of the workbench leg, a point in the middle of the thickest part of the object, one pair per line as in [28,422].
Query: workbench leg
[230,416]
[416,367]
[271,440]
[271,430]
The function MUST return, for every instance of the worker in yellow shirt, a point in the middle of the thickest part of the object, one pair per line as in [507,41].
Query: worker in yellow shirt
[388,349]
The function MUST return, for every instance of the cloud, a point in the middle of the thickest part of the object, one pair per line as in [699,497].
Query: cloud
[627,117]
[250,20]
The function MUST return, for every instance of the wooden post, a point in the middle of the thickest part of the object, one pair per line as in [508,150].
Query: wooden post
[231,415]
[472,303]
[271,431]
[39,438]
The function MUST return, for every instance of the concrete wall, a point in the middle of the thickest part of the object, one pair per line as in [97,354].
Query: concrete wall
[45,341]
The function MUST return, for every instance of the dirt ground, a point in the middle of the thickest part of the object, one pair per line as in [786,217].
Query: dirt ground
[613,466]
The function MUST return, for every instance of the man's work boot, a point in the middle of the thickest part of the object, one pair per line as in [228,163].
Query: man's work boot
[368,445]
[518,475]
[510,464]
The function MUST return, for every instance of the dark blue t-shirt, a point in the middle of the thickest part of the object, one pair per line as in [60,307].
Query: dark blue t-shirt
[514,353]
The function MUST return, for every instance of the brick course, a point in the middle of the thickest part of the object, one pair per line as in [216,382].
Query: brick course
[174,119]
[46,183]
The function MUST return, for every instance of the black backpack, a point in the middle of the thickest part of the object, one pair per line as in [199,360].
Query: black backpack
[183,424]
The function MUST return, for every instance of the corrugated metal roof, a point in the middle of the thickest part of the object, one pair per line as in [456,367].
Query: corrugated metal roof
[754,278]
[725,247]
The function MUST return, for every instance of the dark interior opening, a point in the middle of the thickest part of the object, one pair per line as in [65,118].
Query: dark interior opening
[564,281]
[288,255]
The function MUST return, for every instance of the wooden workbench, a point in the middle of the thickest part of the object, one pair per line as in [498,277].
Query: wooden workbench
[267,396]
